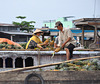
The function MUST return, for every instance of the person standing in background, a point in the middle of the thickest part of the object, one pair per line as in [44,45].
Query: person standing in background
[56,41]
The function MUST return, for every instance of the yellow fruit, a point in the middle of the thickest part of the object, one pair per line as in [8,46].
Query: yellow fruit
[52,42]
[3,48]
[51,48]
[57,49]
[9,47]
[76,61]
[47,49]
[70,64]
[55,70]
[36,48]
[77,65]
[39,45]
[83,69]
[88,64]
[46,41]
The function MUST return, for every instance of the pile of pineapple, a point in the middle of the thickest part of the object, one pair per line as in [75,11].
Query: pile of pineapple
[84,65]
[5,45]
[50,45]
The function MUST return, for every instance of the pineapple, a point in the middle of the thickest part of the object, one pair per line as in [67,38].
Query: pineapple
[52,43]
[46,41]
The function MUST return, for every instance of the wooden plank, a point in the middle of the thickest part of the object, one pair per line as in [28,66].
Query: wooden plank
[93,23]
[46,65]
[47,50]
[23,50]
[86,49]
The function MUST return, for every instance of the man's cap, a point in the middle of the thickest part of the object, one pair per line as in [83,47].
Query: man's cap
[37,31]
[57,23]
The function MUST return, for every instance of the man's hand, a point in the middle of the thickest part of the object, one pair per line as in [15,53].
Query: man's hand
[66,42]
[63,45]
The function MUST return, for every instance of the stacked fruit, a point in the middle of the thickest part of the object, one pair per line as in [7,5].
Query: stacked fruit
[49,45]
[85,65]
[5,45]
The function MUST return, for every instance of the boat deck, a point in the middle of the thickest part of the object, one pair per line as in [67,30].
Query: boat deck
[24,58]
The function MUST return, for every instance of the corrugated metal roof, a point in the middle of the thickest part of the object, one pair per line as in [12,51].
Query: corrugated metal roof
[4,24]
[87,19]
[16,33]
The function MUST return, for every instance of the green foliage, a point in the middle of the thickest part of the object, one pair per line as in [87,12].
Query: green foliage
[57,66]
[85,65]
[1,46]
[5,45]
[92,67]
[24,25]
[21,17]
[79,63]
[63,65]
[23,45]
[44,39]
[98,67]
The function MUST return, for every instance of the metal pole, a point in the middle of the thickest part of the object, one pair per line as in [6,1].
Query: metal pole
[82,35]
[11,38]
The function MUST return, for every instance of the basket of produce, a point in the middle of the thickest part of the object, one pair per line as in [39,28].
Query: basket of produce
[8,44]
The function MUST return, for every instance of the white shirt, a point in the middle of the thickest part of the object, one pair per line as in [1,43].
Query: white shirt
[64,36]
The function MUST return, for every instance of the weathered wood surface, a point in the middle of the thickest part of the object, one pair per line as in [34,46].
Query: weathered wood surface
[47,50]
